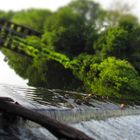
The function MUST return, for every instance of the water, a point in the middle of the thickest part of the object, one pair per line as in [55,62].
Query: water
[120,128]
[105,121]
[100,120]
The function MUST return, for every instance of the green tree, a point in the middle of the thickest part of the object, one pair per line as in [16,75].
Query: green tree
[131,25]
[33,18]
[88,9]
[128,22]
[112,42]
[73,28]
[113,77]
[121,41]
[92,15]
[6,15]
[64,32]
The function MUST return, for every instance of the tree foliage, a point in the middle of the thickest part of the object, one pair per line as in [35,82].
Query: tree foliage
[32,18]
[73,29]
[81,40]
[113,77]
[64,32]
[112,42]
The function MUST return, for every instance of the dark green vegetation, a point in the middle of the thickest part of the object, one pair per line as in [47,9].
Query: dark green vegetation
[82,47]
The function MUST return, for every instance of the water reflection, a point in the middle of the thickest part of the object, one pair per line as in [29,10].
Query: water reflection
[62,108]
[35,95]
[42,96]
[42,72]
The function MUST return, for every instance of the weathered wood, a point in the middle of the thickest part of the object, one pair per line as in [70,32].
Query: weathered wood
[60,130]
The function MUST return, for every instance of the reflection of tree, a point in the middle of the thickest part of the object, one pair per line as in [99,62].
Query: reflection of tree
[42,73]
[48,97]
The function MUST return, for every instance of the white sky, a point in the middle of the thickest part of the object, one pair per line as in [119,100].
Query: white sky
[134,3]
[24,4]
[54,4]
[8,75]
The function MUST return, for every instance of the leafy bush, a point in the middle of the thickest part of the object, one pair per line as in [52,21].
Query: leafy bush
[113,77]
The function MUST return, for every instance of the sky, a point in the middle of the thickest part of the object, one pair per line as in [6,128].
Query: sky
[17,5]
[134,4]
[8,75]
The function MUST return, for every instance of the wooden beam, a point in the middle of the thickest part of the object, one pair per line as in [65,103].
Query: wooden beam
[60,130]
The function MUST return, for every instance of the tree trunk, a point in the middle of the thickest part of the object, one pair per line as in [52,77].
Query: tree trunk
[60,130]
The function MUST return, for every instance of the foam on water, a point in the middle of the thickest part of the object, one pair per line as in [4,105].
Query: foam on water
[119,128]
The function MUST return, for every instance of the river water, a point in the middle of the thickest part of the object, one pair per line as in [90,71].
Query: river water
[102,120]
